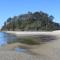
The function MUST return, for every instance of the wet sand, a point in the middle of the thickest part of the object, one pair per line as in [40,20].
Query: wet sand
[47,51]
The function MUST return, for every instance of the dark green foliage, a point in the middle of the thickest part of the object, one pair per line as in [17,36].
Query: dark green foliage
[37,21]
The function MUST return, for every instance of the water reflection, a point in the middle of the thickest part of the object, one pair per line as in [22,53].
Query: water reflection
[20,49]
[4,38]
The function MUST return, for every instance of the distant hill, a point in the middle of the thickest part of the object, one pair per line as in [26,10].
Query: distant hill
[37,21]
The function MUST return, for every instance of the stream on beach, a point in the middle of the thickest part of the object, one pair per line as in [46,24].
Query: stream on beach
[11,55]
[5,38]
[47,51]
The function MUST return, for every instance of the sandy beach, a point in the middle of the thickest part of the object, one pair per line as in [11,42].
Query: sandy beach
[47,51]
[28,33]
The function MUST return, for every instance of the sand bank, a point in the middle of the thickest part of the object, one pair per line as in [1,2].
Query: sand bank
[48,51]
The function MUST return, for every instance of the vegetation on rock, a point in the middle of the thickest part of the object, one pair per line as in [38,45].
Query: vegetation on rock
[37,21]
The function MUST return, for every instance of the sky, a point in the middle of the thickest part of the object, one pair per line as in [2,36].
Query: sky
[10,8]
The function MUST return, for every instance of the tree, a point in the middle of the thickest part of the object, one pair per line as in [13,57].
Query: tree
[31,21]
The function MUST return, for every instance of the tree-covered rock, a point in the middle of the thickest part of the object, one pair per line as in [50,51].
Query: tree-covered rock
[37,21]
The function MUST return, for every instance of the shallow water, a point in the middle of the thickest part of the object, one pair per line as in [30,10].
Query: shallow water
[4,38]
[20,49]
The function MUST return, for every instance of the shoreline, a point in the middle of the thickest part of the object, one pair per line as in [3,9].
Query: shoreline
[47,51]
[28,33]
